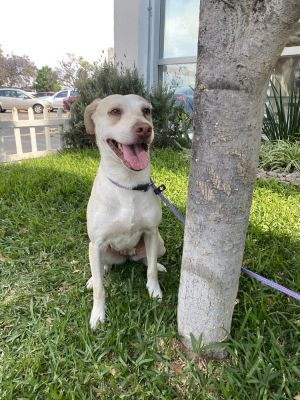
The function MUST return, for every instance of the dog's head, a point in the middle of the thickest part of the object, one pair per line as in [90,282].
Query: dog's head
[123,128]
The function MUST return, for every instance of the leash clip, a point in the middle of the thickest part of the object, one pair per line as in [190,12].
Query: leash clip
[159,189]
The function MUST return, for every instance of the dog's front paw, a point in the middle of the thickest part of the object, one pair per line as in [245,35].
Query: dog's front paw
[97,315]
[161,268]
[154,289]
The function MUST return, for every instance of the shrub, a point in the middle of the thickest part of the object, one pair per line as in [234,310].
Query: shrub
[171,123]
[282,121]
[280,155]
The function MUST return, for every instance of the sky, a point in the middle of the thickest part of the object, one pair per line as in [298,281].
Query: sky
[181,28]
[47,30]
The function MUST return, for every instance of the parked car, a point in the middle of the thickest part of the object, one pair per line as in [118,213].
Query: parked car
[67,102]
[185,96]
[10,98]
[43,94]
[57,99]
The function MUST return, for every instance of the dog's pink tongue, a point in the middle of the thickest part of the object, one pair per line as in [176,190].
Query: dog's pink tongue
[135,157]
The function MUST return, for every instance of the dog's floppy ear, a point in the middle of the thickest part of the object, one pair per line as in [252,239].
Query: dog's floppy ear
[88,121]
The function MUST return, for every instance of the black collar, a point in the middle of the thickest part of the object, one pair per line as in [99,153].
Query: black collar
[142,187]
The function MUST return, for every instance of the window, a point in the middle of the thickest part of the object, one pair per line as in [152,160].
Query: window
[62,94]
[178,75]
[297,77]
[178,49]
[20,95]
[181,21]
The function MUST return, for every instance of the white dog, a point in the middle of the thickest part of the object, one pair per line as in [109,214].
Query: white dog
[123,212]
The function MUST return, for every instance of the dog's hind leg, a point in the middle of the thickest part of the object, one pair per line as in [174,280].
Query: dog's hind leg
[160,252]
[97,269]
[151,245]
[89,284]
[160,267]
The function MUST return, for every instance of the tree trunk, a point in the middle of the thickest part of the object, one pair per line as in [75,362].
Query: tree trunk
[239,44]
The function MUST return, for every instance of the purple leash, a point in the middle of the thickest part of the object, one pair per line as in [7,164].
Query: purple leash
[259,278]
[272,284]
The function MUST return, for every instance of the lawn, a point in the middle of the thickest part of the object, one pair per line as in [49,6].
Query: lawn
[47,350]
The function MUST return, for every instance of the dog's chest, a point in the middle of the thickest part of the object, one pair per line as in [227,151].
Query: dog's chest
[134,216]
[125,242]
[130,222]
[119,218]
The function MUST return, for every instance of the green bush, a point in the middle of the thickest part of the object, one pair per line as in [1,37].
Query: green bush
[171,123]
[282,120]
[280,155]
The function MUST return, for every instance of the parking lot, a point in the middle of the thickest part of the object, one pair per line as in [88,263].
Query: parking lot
[7,142]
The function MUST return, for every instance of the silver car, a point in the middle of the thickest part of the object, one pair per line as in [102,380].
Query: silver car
[10,98]
[56,101]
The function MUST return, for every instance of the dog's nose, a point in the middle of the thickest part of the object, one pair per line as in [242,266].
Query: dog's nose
[142,129]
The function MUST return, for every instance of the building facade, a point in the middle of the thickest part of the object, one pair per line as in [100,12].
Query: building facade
[159,37]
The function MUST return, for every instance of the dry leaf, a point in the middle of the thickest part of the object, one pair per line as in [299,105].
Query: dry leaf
[177,367]
[63,287]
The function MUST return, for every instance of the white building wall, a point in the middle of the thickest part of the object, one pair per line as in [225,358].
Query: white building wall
[126,16]
[136,36]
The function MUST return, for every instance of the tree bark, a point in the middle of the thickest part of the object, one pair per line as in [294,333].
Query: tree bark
[238,46]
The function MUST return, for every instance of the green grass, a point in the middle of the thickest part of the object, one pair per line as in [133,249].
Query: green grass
[280,156]
[47,350]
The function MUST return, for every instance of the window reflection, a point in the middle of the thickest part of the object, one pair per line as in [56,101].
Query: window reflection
[178,75]
[181,28]
[287,74]
[297,77]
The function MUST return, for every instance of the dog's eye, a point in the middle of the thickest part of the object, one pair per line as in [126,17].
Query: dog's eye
[115,112]
[146,111]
